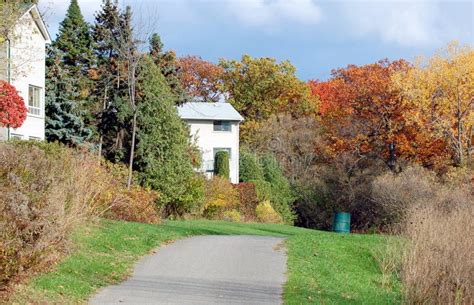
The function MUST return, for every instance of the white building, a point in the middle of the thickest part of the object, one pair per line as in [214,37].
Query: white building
[22,64]
[215,126]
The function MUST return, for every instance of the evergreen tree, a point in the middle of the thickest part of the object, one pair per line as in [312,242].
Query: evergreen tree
[166,61]
[74,40]
[63,118]
[68,84]
[162,155]
[111,109]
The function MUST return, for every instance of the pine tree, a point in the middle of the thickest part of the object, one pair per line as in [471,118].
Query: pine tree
[166,62]
[69,87]
[162,155]
[63,118]
[110,87]
[74,40]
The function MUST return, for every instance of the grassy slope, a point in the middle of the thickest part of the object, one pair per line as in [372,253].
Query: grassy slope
[323,268]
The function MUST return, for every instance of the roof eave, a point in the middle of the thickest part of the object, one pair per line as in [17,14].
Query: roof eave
[33,10]
[213,119]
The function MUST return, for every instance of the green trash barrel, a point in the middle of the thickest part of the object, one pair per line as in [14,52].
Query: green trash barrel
[341,222]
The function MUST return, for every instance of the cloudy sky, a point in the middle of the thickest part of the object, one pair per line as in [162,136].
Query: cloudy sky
[316,36]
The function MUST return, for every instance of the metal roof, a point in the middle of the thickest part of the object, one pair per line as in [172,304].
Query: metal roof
[209,112]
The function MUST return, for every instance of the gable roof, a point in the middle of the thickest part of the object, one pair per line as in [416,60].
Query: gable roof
[35,14]
[209,112]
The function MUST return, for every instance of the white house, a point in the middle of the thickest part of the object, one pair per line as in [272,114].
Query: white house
[215,127]
[22,64]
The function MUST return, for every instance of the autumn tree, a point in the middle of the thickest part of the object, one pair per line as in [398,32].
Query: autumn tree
[261,87]
[439,93]
[200,78]
[12,107]
[361,111]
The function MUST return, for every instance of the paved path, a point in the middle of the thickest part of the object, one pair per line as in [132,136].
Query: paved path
[206,270]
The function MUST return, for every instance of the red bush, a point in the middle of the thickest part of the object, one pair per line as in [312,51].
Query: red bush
[12,107]
[248,200]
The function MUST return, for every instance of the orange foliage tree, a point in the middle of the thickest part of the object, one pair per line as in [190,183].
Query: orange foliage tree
[200,78]
[361,111]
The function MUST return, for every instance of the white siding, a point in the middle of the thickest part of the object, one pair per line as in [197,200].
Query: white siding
[208,140]
[27,53]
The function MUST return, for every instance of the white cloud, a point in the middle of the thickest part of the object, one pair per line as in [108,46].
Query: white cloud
[405,23]
[270,13]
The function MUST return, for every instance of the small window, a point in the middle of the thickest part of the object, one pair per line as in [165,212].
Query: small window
[34,138]
[222,126]
[34,100]
[16,136]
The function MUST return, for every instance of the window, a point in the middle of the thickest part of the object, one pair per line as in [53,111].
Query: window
[222,126]
[34,100]
[16,136]
[31,138]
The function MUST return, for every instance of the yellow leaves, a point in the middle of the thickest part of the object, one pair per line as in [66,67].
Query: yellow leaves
[265,213]
[439,93]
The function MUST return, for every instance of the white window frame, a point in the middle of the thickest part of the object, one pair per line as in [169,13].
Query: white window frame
[35,106]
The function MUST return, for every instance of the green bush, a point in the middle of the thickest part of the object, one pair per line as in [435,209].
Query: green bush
[250,168]
[221,165]
[280,193]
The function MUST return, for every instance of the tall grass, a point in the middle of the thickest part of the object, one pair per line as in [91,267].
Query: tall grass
[436,220]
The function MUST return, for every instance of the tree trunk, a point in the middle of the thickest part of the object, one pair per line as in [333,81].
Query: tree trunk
[460,153]
[132,150]
[101,138]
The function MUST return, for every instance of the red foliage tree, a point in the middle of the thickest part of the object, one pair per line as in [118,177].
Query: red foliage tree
[12,107]
[361,111]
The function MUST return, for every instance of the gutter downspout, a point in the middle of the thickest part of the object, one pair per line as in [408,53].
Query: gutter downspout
[9,55]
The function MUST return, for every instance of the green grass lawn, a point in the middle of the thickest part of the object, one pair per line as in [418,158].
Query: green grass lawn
[323,267]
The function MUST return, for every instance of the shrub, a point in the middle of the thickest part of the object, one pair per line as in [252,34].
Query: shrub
[220,196]
[248,200]
[249,167]
[46,190]
[281,195]
[136,204]
[232,215]
[221,165]
[265,213]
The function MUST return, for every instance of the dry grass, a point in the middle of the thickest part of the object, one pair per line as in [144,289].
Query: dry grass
[438,266]
[436,219]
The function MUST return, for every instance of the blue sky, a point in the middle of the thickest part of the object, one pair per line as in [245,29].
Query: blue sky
[316,36]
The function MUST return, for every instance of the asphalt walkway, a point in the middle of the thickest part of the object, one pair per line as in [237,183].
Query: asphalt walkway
[206,270]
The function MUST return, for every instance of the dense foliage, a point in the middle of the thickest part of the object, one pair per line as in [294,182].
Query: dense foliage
[12,106]
[48,190]
[222,164]
[162,156]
